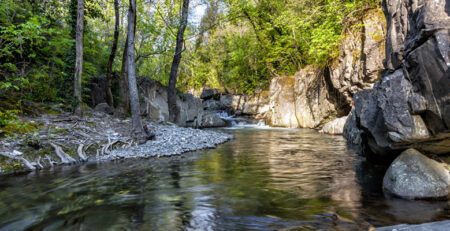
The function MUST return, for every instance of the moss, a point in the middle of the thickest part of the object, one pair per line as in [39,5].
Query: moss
[18,127]
[59,131]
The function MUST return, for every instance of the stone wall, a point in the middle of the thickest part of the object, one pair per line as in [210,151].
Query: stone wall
[410,106]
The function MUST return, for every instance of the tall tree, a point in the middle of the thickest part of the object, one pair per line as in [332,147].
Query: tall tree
[79,56]
[138,130]
[124,103]
[174,111]
[109,96]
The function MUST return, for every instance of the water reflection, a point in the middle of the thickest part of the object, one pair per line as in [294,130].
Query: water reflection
[263,180]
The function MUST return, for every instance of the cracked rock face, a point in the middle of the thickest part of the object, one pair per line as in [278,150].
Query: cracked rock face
[415,176]
[411,104]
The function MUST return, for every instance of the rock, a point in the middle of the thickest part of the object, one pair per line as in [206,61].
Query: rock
[360,60]
[351,131]
[302,100]
[415,176]
[254,105]
[210,93]
[211,120]
[433,226]
[212,105]
[315,95]
[155,105]
[104,108]
[334,127]
[410,105]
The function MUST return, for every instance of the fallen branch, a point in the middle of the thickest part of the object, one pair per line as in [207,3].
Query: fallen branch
[24,161]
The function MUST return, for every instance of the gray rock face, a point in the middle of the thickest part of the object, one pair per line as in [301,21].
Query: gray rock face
[415,176]
[213,105]
[104,108]
[411,103]
[210,93]
[211,120]
[155,105]
[360,60]
[256,105]
[302,100]
[314,96]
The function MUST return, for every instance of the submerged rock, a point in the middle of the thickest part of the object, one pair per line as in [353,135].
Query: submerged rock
[433,226]
[334,127]
[415,176]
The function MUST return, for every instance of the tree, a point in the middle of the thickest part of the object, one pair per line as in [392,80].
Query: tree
[138,130]
[109,96]
[79,56]
[174,111]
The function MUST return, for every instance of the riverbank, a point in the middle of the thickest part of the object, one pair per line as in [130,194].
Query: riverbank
[57,139]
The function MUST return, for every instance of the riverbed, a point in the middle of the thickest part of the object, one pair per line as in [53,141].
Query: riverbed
[264,179]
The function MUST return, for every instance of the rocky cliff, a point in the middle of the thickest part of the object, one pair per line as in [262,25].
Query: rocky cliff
[317,95]
[410,106]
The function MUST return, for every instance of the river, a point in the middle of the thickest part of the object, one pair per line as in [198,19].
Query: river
[265,179]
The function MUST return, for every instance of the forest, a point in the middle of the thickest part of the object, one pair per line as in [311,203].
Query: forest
[235,46]
[224,115]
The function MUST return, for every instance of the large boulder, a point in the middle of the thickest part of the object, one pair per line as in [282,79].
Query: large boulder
[155,106]
[212,105]
[254,105]
[415,176]
[210,93]
[104,108]
[410,106]
[212,120]
[334,127]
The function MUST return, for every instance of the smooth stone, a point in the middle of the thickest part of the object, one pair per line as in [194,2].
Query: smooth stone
[415,176]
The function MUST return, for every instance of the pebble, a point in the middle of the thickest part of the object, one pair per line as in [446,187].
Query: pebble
[171,140]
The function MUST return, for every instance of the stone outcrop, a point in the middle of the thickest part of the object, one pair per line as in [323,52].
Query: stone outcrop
[154,105]
[415,176]
[210,93]
[335,127]
[302,100]
[410,106]
[360,60]
[317,95]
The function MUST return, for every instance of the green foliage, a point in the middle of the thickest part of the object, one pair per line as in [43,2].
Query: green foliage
[267,38]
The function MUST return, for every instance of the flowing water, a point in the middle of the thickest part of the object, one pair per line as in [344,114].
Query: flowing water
[265,179]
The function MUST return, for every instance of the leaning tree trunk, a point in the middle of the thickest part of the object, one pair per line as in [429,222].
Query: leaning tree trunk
[174,110]
[138,130]
[109,96]
[79,57]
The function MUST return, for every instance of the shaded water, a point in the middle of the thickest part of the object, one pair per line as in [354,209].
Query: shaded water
[263,180]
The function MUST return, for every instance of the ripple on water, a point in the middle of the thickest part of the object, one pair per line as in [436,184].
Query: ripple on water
[265,179]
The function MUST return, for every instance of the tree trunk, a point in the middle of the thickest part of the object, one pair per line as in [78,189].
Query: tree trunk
[174,110]
[109,96]
[124,102]
[138,130]
[79,57]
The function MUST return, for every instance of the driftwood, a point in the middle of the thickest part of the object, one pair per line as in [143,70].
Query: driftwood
[27,163]
[50,161]
[65,158]
[80,153]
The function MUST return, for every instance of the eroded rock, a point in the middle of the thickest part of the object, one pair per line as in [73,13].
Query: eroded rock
[415,176]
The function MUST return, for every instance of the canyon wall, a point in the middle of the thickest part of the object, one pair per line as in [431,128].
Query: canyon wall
[410,106]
